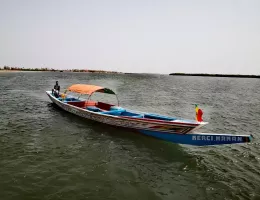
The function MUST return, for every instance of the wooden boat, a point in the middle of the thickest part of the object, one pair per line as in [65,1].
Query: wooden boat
[173,129]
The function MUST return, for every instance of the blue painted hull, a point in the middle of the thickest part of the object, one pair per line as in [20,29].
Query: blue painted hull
[199,139]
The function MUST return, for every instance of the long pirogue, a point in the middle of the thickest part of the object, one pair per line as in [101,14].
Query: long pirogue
[173,129]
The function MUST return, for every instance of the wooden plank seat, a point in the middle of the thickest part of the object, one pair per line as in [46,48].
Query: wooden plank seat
[80,104]
[93,108]
[90,103]
[104,106]
[112,112]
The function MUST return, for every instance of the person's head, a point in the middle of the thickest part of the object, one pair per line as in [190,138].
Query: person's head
[57,83]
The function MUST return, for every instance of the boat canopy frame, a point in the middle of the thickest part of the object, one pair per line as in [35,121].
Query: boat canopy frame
[90,90]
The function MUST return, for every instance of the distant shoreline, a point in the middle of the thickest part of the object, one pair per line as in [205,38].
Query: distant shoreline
[2,70]
[217,75]
[9,69]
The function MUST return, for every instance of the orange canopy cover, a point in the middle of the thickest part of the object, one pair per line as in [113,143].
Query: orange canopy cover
[85,89]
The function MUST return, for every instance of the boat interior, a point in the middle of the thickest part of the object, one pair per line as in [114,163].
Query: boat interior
[110,109]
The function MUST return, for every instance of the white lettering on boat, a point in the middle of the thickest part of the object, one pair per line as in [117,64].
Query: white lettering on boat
[209,138]
[222,138]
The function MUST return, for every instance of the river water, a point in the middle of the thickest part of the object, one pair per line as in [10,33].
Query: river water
[46,153]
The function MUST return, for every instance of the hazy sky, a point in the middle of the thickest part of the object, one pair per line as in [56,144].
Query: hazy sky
[155,36]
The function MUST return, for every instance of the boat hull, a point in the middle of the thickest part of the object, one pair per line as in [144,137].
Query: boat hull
[169,131]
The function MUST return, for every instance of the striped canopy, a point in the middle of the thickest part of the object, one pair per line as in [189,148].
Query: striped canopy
[88,89]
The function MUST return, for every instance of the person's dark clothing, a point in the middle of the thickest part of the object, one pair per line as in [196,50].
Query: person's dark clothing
[56,94]
[57,87]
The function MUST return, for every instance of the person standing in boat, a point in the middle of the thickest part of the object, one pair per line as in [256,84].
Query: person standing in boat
[56,89]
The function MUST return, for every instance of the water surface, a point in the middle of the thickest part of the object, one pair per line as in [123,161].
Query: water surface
[47,153]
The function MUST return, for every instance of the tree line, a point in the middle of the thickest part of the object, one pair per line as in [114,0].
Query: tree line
[54,70]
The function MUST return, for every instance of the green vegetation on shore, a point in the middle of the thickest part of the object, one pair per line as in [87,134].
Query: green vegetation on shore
[7,68]
[217,75]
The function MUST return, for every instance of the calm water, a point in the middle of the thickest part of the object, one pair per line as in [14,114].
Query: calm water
[46,153]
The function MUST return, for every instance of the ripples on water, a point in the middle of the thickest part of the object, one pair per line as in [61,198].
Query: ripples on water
[47,153]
